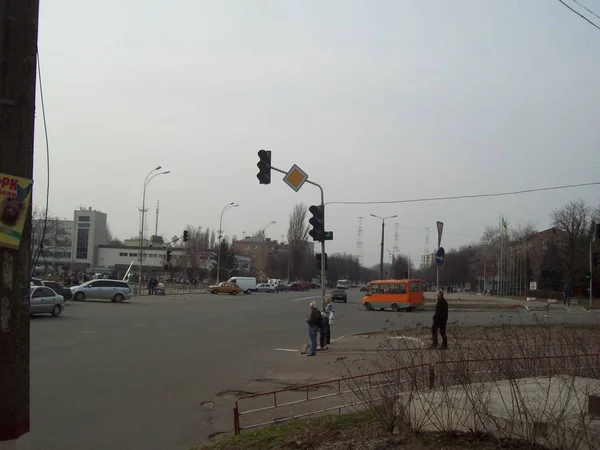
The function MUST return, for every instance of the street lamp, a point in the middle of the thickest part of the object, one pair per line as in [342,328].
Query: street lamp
[225,208]
[151,175]
[383,219]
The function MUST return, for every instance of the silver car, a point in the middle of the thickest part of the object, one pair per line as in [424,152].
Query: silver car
[43,300]
[113,290]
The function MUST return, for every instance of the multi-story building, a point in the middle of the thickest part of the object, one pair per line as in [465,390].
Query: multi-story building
[70,244]
[538,245]
[427,260]
[90,230]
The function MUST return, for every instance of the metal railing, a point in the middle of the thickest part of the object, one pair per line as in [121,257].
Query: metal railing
[283,405]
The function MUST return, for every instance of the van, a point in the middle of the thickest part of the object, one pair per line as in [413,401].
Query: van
[395,294]
[246,284]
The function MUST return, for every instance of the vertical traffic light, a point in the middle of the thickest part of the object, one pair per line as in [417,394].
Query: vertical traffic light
[168,255]
[318,223]
[597,230]
[595,259]
[264,167]
[185,235]
[321,260]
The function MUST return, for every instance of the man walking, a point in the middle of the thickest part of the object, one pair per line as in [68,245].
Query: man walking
[440,319]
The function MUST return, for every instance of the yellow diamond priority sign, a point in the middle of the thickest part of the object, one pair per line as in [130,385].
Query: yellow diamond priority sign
[295,177]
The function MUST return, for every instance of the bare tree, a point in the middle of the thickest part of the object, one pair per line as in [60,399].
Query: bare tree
[49,240]
[193,261]
[297,236]
[113,240]
[574,219]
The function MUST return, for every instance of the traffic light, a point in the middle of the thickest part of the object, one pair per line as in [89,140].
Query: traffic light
[185,235]
[595,259]
[166,267]
[588,275]
[264,167]
[169,255]
[328,236]
[320,261]
[597,231]
[318,223]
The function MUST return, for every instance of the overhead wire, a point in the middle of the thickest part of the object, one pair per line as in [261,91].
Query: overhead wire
[579,14]
[40,246]
[587,9]
[460,197]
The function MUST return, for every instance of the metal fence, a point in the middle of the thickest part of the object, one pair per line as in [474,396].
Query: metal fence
[283,405]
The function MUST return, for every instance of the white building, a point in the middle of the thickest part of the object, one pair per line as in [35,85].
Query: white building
[89,232]
[427,260]
[70,243]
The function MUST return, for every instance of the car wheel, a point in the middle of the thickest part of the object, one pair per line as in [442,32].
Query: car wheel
[56,311]
[248,292]
[79,297]
[395,307]
[214,292]
[345,300]
[368,306]
[118,298]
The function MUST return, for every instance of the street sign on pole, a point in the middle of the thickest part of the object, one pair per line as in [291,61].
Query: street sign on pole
[295,178]
[439,257]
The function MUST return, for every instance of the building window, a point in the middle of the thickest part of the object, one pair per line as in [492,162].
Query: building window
[132,254]
[122,254]
[84,218]
[83,238]
[84,225]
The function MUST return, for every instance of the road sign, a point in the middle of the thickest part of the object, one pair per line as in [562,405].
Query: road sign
[295,177]
[439,257]
[328,236]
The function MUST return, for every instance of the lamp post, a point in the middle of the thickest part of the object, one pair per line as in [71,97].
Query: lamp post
[393,256]
[225,208]
[151,175]
[383,219]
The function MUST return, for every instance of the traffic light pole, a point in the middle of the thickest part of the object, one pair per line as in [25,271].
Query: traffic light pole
[591,269]
[322,242]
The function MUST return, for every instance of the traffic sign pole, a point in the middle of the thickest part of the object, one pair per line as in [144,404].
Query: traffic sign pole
[323,241]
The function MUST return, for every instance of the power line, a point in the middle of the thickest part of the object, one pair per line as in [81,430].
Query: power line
[579,14]
[587,9]
[459,197]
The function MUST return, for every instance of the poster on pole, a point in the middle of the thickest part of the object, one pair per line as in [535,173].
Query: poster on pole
[15,195]
[440,228]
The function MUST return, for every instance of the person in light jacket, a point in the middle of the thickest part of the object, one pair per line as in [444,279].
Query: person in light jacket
[329,317]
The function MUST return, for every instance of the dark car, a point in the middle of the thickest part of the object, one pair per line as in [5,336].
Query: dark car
[339,295]
[59,289]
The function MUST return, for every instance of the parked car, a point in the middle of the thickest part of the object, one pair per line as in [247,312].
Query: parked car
[246,284]
[113,290]
[36,282]
[59,289]
[43,300]
[299,286]
[339,295]
[266,287]
[225,287]
[364,288]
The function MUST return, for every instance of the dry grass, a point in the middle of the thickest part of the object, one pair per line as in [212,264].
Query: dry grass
[479,384]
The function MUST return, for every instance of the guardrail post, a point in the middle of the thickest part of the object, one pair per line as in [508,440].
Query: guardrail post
[236,420]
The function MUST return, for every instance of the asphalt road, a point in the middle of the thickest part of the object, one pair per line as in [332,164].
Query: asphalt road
[137,375]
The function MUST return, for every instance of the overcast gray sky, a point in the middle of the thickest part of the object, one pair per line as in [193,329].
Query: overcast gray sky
[375,100]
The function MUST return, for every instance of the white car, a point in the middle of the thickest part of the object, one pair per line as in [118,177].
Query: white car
[266,287]
[43,300]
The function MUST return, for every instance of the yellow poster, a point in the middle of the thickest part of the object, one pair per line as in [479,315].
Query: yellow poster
[15,195]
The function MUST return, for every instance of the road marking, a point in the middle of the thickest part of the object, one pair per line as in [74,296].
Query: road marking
[139,324]
[286,350]
[89,332]
[306,298]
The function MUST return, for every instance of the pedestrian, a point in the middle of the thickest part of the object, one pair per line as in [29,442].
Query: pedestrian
[440,319]
[314,323]
[330,313]
[323,330]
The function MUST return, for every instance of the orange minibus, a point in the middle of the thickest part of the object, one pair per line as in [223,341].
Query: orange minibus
[394,294]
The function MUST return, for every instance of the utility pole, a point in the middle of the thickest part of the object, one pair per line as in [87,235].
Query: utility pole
[18,48]
[383,219]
